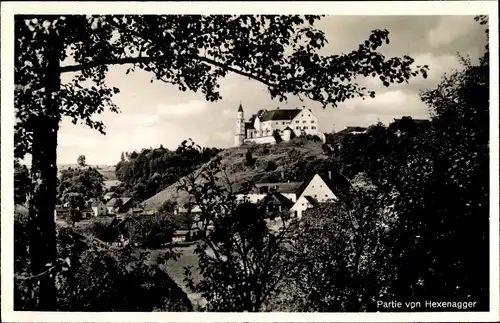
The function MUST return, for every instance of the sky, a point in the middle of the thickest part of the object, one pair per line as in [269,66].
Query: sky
[158,113]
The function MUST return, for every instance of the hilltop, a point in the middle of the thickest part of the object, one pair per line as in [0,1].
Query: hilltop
[286,161]
[107,171]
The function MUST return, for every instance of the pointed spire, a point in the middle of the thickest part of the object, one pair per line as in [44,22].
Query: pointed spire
[240,109]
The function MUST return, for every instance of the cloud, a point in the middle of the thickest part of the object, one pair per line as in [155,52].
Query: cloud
[74,140]
[136,119]
[450,29]
[182,110]
[393,103]
[224,135]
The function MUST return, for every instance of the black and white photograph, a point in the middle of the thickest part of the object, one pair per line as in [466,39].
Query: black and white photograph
[250,162]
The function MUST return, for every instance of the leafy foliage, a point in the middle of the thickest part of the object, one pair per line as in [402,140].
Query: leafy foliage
[22,183]
[249,160]
[190,52]
[87,181]
[96,277]
[341,253]
[277,136]
[241,256]
[81,160]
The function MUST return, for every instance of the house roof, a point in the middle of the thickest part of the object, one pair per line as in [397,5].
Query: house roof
[337,183]
[276,198]
[113,201]
[110,194]
[311,199]
[96,203]
[87,209]
[240,108]
[278,114]
[287,128]
[249,125]
[291,187]
[350,129]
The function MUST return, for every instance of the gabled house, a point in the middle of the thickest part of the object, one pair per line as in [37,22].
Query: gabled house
[275,203]
[119,205]
[99,208]
[321,188]
[289,190]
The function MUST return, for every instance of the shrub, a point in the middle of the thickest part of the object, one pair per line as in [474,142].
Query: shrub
[271,165]
[100,278]
[151,231]
[250,161]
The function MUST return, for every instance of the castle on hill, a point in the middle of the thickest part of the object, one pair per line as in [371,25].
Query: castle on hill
[260,127]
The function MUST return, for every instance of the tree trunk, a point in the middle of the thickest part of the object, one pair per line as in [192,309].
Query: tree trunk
[42,245]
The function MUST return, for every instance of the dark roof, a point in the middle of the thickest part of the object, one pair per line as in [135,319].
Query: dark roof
[88,209]
[311,200]
[240,109]
[276,199]
[291,187]
[96,203]
[278,114]
[113,201]
[337,183]
[352,129]
[287,128]
[249,125]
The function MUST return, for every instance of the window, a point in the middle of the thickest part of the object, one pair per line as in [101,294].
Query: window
[326,195]
[297,121]
[315,195]
[283,122]
[305,127]
[312,186]
[312,121]
[309,115]
[304,121]
[298,128]
[313,127]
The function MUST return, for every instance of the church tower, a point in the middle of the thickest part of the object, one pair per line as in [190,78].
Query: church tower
[239,137]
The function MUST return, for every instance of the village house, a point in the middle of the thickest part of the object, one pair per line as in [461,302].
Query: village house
[261,127]
[321,188]
[119,205]
[289,190]
[275,203]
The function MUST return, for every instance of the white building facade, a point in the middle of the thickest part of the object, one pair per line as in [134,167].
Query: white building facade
[261,127]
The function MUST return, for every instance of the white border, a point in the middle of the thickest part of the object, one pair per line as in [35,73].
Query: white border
[8,9]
